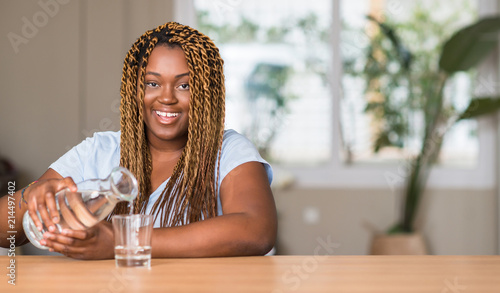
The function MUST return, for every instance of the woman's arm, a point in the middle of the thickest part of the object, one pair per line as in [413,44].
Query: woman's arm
[248,225]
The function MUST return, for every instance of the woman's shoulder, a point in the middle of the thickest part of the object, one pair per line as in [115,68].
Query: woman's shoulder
[236,144]
[232,137]
[231,133]
[104,140]
[92,158]
[236,150]
[107,137]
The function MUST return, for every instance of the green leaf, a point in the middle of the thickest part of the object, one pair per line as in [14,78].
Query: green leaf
[404,55]
[481,106]
[467,47]
[374,106]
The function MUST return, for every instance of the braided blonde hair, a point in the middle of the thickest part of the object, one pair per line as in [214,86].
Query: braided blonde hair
[191,192]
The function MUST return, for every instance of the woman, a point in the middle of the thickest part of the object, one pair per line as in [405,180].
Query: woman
[207,188]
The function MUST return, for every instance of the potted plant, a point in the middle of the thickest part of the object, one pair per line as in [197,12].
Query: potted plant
[463,51]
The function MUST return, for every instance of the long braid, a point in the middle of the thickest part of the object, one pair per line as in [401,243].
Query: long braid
[191,192]
[131,128]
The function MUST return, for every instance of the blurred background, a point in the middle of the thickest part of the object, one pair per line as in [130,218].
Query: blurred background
[300,80]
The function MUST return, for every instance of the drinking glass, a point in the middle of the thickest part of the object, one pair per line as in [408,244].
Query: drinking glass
[133,240]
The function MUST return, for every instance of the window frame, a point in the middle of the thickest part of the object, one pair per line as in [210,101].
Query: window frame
[337,174]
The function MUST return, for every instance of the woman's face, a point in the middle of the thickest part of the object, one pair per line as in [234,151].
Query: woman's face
[166,96]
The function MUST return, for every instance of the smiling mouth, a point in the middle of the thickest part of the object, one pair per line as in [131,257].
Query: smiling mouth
[166,114]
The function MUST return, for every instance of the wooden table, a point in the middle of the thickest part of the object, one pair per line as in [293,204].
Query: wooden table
[272,274]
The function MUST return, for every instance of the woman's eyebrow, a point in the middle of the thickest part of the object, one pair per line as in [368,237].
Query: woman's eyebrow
[157,74]
[153,73]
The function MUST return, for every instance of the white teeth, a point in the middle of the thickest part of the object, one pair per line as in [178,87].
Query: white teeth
[165,114]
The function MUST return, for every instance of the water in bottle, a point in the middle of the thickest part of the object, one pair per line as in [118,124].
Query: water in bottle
[92,203]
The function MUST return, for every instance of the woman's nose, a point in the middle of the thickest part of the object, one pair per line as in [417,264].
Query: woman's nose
[167,96]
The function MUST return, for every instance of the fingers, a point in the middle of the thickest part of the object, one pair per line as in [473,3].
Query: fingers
[66,183]
[79,234]
[69,242]
[52,217]
[48,205]
[68,236]
[32,211]
[52,239]
[42,199]
[61,244]
[93,243]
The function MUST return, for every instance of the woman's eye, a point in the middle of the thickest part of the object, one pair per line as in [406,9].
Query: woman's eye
[152,84]
[184,86]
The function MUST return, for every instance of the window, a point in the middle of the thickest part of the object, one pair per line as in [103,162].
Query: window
[277,87]
[290,91]
[383,101]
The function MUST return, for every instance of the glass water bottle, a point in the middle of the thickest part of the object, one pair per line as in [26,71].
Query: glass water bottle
[94,200]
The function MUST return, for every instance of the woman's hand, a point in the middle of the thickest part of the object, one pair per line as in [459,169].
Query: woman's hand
[41,197]
[96,242]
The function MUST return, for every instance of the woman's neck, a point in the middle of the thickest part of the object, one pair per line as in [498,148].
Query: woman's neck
[164,158]
[162,152]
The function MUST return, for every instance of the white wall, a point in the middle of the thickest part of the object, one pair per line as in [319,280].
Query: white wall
[61,82]
[452,221]
[40,85]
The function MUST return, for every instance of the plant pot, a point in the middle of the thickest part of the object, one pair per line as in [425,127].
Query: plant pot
[398,244]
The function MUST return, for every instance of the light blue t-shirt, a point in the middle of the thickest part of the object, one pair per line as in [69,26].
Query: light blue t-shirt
[96,156]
